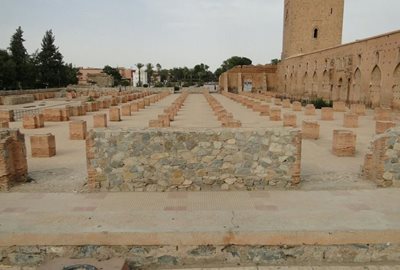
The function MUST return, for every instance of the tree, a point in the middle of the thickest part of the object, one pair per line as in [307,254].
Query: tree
[19,56]
[139,66]
[275,61]
[7,71]
[50,62]
[150,72]
[113,72]
[231,63]
[158,66]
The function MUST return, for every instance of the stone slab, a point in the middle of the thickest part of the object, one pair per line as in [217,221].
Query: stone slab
[215,218]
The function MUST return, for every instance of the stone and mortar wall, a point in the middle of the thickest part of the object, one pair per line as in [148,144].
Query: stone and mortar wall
[382,163]
[156,257]
[170,160]
[13,163]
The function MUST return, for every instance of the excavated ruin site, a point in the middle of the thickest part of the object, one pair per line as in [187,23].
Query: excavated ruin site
[157,180]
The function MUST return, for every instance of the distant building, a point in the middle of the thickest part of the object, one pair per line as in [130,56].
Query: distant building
[315,63]
[143,77]
[89,76]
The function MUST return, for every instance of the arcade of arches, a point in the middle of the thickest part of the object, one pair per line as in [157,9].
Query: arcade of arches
[365,71]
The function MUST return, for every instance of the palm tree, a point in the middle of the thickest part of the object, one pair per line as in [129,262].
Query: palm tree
[149,70]
[158,66]
[139,66]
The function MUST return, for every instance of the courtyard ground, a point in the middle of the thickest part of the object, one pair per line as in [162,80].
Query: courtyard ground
[321,170]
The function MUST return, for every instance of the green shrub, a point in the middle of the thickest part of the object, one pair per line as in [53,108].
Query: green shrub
[90,99]
[321,103]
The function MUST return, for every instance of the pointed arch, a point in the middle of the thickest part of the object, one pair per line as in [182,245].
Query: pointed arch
[396,88]
[314,88]
[375,87]
[356,95]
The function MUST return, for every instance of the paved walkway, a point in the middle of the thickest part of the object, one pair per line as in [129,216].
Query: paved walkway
[218,218]
[196,113]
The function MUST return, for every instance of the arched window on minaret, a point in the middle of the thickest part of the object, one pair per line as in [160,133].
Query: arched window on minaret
[316,33]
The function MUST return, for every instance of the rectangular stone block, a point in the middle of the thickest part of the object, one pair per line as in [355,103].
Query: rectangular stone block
[115,114]
[165,120]
[310,130]
[277,101]
[134,107]
[126,110]
[53,115]
[43,145]
[40,119]
[296,106]
[344,143]
[147,102]
[358,109]
[339,106]
[7,115]
[100,120]
[141,104]
[309,110]
[383,114]
[77,130]
[382,126]
[13,162]
[30,122]
[327,114]
[350,120]
[286,103]
[156,123]
[4,124]
[275,114]
[232,124]
[289,120]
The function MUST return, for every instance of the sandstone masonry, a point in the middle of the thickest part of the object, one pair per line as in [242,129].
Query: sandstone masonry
[170,160]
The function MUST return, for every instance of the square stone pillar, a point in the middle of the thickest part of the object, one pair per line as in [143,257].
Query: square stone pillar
[43,145]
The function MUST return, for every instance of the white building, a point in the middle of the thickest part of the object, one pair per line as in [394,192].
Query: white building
[135,77]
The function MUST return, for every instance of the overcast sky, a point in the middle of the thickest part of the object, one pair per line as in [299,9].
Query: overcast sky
[172,32]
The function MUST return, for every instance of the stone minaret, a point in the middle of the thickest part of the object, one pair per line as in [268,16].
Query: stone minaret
[311,25]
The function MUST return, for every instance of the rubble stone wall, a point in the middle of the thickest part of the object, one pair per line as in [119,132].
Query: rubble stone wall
[200,159]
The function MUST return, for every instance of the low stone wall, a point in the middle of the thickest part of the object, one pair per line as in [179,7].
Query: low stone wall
[161,257]
[215,159]
[13,163]
[382,163]
[15,100]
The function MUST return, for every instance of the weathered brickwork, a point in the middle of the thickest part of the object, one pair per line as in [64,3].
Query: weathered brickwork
[382,162]
[170,160]
[13,163]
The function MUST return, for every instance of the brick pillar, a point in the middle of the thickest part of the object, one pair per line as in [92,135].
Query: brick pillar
[77,130]
[286,104]
[225,80]
[327,114]
[383,114]
[350,120]
[296,106]
[275,114]
[289,120]
[126,110]
[100,120]
[339,106]
[43,145]
[358,109]
[141,104]
[115,114]
[4,124]
[309,110]
[29,122]
[296,170]
[7,115]
[344,143]
[134,107]
[277,101]
[310,130]
[382,126]
[165,120]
